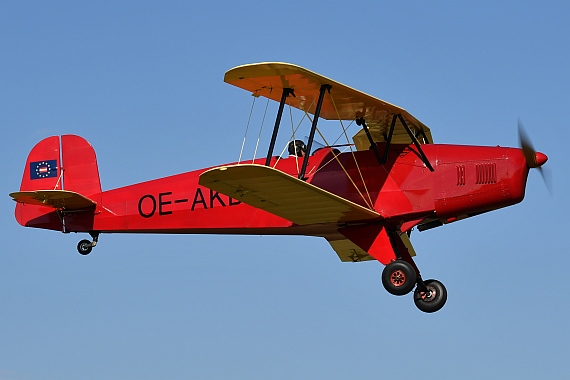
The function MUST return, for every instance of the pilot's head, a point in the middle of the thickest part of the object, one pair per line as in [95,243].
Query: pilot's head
[297,148]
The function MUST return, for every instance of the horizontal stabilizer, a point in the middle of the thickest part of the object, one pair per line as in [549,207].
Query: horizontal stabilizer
[58,199]
[283,195]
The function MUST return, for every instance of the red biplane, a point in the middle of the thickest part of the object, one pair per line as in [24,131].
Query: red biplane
[364,202]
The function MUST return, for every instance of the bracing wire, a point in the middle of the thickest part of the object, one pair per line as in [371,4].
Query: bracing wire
[293,131]
[291,138]
[368,201]
[255,96]
[343,133]
[59,179]
[353,155]
[260,130]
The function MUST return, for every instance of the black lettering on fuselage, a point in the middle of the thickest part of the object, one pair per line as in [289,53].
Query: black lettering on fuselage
[199,199]
[162,203]
[213,196]
[152,211]
[148,203]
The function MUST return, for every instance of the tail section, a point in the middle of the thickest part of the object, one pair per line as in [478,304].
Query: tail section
[60,175]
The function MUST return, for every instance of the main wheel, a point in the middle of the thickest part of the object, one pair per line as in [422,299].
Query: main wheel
[84,247]
[432,300]
[399,277]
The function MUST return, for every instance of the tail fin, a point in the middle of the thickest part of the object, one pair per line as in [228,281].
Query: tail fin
[63,166]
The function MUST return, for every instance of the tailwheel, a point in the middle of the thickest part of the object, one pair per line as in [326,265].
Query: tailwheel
[84,247]
[399,277]
[432,298]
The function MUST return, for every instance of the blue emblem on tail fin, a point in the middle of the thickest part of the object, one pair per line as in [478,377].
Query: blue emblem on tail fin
[43,169]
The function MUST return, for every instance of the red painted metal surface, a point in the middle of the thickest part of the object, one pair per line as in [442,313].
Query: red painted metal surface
[467,180]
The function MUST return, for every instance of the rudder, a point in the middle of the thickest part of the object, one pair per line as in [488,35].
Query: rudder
[80,170]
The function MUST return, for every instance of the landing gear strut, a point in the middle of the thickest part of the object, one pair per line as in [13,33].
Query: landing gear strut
[85,246]
[400,276]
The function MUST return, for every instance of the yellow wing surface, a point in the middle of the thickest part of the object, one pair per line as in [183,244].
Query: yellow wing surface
[268,79]
[58,199]
[348,251]
[283,195]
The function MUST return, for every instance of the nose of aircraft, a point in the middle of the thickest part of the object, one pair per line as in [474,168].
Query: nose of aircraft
[540,159]
[533,158]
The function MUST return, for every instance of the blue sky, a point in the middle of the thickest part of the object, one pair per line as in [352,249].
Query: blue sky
[142,81]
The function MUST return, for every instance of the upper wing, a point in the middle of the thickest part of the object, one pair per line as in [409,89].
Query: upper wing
[283,195]
[59,199]
[345,103]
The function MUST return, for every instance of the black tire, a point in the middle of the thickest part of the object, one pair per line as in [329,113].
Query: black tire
[84,247]
[399,277]
[430,303]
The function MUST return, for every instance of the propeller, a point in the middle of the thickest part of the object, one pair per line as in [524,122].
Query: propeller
[533,158]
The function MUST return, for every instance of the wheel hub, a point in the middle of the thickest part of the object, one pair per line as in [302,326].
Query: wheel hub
[398,278]
[429,295]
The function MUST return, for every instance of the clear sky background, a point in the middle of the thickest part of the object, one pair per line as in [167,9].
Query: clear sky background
[142,81]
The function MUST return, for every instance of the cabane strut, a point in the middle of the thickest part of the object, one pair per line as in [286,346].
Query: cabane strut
[382,160]
[284,95]
[324,87]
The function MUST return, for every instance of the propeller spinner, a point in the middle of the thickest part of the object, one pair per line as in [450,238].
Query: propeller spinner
[533,158]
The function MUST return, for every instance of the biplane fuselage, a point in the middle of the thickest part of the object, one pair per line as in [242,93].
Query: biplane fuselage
[467,181]
[364,203]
